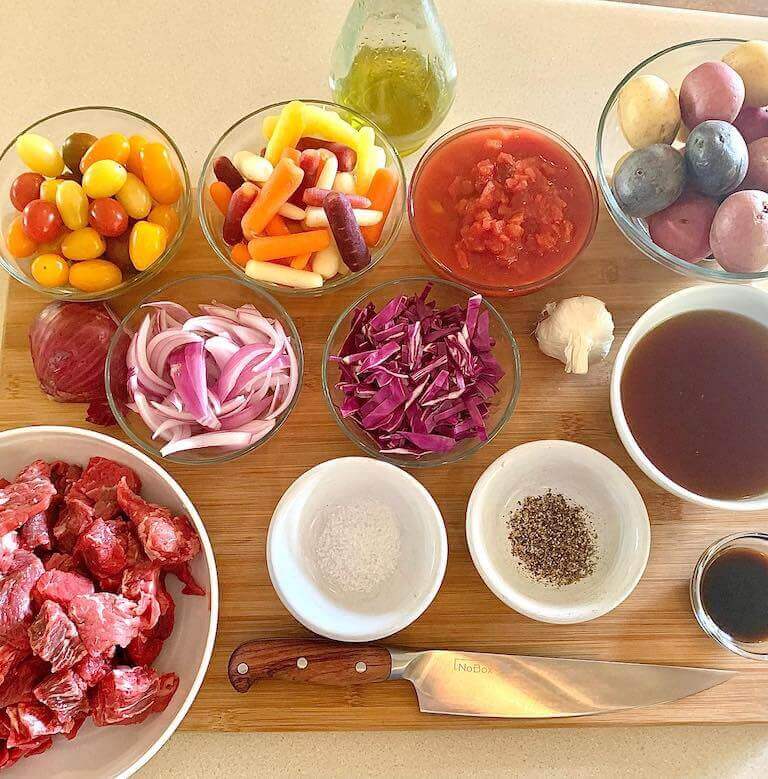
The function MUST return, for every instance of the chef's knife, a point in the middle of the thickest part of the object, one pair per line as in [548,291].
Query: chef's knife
[474,684]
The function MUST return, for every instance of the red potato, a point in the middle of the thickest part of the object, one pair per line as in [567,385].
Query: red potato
[713,90]
[752,123]
[683,228]
[757,171]
[739,233]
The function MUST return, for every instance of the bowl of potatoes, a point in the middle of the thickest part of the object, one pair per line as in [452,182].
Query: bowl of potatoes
[682,158]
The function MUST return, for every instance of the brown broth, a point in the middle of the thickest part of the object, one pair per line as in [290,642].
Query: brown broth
[695,396]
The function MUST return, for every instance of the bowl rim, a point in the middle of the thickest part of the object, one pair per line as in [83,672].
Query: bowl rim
[140,278]
[438,533]
[207,548]
[478,124]
[285,319]
[639,238]
[448,458]
[380,250]
[508,594]
[706,623]
[639,330]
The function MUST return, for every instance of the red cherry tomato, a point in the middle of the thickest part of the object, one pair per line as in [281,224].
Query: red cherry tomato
[108,217]
[41,221]
[25,188]
[118,252]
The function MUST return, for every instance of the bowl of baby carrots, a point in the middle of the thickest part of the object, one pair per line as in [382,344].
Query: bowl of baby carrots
[302,197]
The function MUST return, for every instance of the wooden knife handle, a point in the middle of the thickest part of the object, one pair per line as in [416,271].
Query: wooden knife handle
[308,660]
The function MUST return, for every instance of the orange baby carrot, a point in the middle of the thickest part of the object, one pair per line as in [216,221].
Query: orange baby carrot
[277,226]
[278,246]
[283,182]
[301,261]
[291,154]
[239,254]
[220,194]
[381,194]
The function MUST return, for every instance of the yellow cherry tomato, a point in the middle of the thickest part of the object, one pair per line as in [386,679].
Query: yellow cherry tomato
[39,154]
[83,244]
[18,242]
[114,146]
[50,270]
[95,275]
[160,177]
[135,197]
[104,178]
[167,217]
[137,143]
[54,246]
[72,204]
[146,244]
[48,189]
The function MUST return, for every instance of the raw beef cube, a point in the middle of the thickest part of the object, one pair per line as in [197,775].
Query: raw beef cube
[104,620]
[61,587]
[164,626]
[64,475]
[141,584]
[184,574]
[77,722]
[15,594]
[64,693]
[54,638]
[168,539]
[9,543]
[60,561]
[30,721]
[36,532]
[18,685]
[129,695]
[74,519]
[10,657]
[39,469]
[144,649]
[10,756]
[99,481]
[92,669]
[101,550]
[21,500]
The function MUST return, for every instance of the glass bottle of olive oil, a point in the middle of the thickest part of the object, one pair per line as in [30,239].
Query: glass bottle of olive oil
[393,62]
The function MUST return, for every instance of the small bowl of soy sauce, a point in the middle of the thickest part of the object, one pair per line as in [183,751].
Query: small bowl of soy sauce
[729,593]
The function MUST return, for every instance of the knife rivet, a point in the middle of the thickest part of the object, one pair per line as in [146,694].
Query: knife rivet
[242,668]
[302,663]
[361,667]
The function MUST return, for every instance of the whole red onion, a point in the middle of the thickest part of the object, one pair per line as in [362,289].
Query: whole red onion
[69,343]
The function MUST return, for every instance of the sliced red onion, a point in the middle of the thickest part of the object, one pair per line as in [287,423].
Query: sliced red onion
[219,380]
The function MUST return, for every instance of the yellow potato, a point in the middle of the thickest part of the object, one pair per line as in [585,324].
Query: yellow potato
[750,61]
[649,112]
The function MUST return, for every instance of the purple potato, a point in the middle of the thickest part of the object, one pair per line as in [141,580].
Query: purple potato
[649,180]
[716,158]
[752,123]
[713,90]
[739,233]
[757,172]
[683,228]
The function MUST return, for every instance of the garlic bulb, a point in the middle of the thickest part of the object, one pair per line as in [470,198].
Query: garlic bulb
[577,331]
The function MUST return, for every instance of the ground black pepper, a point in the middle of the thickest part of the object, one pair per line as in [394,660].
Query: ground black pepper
[553,538]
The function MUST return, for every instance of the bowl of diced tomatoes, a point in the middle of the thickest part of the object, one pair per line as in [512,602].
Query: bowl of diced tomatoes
[108,604]
[504,206]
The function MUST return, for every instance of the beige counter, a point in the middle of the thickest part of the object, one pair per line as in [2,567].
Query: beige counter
[195,67]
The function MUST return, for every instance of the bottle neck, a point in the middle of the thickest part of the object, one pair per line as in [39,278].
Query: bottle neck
[396,6]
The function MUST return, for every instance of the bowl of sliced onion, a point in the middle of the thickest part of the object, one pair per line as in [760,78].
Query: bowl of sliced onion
[204,370]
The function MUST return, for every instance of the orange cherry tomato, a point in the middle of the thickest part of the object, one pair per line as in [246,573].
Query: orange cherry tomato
[18,242]
[114,146]
[137,143]
[160,176]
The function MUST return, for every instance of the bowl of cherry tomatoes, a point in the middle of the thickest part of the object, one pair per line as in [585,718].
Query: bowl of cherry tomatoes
[98,202]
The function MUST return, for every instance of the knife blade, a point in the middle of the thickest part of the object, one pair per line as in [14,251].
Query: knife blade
[475,684]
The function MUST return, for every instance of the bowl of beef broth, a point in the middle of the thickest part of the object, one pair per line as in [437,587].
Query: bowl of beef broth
[689,396]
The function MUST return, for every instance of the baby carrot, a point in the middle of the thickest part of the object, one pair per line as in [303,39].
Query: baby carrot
[291,153]
[301,261]
[277,226]
[239,254]
[283,182]
[288,130]
[381,194]
[220,194]
[278,246]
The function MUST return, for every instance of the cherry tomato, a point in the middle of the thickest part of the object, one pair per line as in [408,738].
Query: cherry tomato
[41,221]
[75,147]
[50,270]
[118,251]
[165,216]
[94,275]
[25,189]
[17,241]
[107,217]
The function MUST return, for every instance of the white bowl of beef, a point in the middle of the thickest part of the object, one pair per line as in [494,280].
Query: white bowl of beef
[111,749]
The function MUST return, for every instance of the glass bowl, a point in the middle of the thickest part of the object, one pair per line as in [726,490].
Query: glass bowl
[246,133]
[191,292]
[441,266]
[671,64]
[751,540]
[98,120]
[446,293]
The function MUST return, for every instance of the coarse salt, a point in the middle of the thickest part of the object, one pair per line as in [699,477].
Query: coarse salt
[358,548]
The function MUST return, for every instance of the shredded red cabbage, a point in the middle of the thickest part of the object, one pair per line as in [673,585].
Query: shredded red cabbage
[417,379]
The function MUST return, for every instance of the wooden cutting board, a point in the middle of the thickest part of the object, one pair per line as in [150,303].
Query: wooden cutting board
[236,500]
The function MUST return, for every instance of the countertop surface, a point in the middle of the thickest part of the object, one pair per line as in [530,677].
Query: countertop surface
[195,67]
